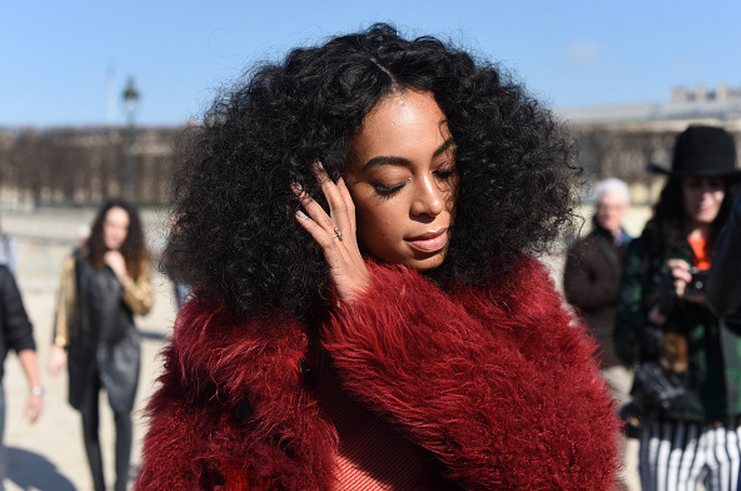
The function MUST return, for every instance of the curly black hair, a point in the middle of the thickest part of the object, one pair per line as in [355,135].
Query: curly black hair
[236,234]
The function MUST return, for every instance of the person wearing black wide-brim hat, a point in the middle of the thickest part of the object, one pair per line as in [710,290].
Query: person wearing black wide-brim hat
[662,318]
[702,151]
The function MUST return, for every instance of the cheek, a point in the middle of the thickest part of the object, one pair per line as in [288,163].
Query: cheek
[115,235]
[380,232]
[718,196]
[451,198]
[374,222]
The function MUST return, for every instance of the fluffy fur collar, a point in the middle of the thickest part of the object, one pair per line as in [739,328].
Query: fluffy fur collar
[495,382]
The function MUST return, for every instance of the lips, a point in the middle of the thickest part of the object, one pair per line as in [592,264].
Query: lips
[429,242]
[705,209]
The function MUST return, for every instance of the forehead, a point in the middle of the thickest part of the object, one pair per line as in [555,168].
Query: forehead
[403,120]
[608,198]
[117,215]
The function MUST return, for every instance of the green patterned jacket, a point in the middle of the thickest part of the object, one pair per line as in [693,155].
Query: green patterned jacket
[712,383]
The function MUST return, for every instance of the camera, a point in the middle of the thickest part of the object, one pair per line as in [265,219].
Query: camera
[654,389]
[699,282]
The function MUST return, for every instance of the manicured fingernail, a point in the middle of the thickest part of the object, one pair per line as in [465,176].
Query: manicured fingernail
[301,216]
[296,188]
[318,165]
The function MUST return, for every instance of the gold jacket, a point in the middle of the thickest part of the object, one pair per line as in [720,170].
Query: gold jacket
[137,296]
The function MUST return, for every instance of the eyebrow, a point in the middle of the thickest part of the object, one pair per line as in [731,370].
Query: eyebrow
[388,160]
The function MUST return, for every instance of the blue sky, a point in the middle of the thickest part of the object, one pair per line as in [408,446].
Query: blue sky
[67,62]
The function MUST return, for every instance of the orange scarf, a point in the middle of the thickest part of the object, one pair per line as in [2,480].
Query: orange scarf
[701,252]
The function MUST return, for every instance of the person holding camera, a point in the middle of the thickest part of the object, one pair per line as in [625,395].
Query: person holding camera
[686,399]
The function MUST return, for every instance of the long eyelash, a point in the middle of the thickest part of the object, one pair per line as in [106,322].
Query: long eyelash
[444,174]
[387,192]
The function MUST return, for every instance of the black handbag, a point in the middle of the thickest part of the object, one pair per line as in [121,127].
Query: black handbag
[654,389]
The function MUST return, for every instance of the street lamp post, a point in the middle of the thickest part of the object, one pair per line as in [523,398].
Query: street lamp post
[131,99]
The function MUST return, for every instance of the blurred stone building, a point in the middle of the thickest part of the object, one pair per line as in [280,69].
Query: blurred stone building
[83,166]
[620,141]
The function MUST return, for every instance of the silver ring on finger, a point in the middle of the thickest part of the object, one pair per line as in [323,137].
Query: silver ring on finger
[337,234]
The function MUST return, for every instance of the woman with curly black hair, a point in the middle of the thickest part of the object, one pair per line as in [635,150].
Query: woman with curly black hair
[689,429]
[358,222]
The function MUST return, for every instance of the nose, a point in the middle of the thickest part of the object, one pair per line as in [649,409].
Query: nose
[428,199]
[708,190]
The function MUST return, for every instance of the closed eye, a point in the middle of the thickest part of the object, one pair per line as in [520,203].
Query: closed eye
[445,174]
[388,190]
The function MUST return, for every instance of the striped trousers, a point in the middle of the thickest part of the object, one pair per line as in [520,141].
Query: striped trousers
[679,455]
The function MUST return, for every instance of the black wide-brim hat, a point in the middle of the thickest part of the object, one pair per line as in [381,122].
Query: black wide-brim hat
[702,151]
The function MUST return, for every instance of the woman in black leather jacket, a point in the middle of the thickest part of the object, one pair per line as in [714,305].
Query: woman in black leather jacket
[103,285]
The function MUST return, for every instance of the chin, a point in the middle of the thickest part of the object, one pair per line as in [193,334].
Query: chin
[428,263]
[706,218]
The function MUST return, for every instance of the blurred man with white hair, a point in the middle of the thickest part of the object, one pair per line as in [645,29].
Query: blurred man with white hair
[591,283]
[592,276]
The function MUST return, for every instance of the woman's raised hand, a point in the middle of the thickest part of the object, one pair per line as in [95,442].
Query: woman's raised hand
[336,234]
[117,263]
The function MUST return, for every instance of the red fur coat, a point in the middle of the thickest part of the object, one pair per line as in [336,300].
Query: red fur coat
[494,382]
